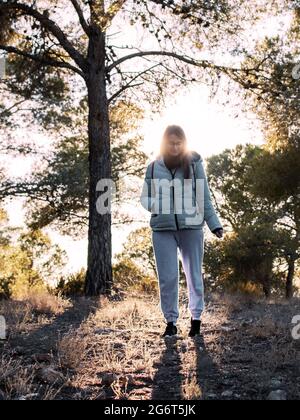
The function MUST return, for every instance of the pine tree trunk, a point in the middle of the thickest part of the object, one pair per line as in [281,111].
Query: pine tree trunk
[99,264]
[289,280]
[267,287]
[267,291]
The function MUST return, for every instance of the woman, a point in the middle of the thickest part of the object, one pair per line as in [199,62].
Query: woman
[177,220]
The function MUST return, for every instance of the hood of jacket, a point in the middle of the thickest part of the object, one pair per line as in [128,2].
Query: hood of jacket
[195,156]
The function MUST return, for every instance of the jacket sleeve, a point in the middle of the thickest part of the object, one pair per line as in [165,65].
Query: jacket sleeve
[210,215]
[146,198]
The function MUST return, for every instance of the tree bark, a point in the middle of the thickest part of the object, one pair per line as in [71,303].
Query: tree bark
[266,283]
[99,265]
[290,279]
[267,291]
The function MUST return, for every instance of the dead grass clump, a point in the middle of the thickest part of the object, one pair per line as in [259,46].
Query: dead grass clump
[16,380]
[72,349]
[45,303]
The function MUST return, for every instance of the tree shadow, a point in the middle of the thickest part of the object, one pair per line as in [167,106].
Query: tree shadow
[44,339]
[167,382]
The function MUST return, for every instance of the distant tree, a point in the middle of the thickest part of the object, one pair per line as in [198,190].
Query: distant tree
[257,239]
[273,93]
[57,191]
[138,248]
[46,258]
[244,258]
[29,263]
[278,180]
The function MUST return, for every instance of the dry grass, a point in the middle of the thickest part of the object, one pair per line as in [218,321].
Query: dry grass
[266,328]
[45,303]
[17,314]
[237,302]
[117,351]
[34,309]
[191,389]
[71,349]
[16,381]
[126,322]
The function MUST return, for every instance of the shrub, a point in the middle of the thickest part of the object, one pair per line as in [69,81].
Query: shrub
[72,285]
[128,276]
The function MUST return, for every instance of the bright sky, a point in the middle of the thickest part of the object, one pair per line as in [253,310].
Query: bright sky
[210,128]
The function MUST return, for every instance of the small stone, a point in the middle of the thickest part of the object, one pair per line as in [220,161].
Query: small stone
[50,376]
[278,395]
[28,397]
[276,384]
[227,394]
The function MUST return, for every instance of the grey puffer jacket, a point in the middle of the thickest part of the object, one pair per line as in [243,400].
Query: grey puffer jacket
[189,202]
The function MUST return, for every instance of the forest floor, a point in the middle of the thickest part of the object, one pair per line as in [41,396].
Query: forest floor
[112,349]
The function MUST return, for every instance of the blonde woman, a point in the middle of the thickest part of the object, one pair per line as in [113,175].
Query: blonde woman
[177,224]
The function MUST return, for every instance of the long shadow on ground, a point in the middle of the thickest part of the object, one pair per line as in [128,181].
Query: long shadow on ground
[167,383]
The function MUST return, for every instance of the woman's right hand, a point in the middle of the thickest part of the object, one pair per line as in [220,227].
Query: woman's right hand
[219,232]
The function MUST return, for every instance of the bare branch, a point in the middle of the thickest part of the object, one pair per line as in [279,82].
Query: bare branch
[82,20]
[185,59]
[118,93]
[6,111]
[129,84]
[52,27]
[42,60]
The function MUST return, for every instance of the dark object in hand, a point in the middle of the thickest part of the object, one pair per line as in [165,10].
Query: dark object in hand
[218,232]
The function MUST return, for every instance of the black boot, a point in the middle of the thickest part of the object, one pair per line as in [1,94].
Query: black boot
[171,330]
[195,327]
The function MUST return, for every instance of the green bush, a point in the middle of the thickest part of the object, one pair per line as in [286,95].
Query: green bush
[128,276]
[17,276]
[72,284]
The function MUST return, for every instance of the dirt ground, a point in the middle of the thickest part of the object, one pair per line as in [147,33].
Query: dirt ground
[112,349]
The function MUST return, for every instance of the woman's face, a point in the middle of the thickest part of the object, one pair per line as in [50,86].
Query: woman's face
[174,145]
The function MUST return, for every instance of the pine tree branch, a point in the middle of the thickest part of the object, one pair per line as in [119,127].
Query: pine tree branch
[185,59]
[52,27]
[113,9]
[82,20]
[129,84]
[42,60]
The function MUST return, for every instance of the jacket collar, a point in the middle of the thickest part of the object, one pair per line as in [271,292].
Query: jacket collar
[194,157]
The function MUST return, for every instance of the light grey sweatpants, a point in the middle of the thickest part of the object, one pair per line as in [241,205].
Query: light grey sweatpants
[190,243]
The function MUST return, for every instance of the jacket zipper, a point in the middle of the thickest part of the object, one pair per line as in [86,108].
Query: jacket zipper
[173,188]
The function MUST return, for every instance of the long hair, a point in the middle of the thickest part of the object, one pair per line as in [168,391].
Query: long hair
[185,156]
